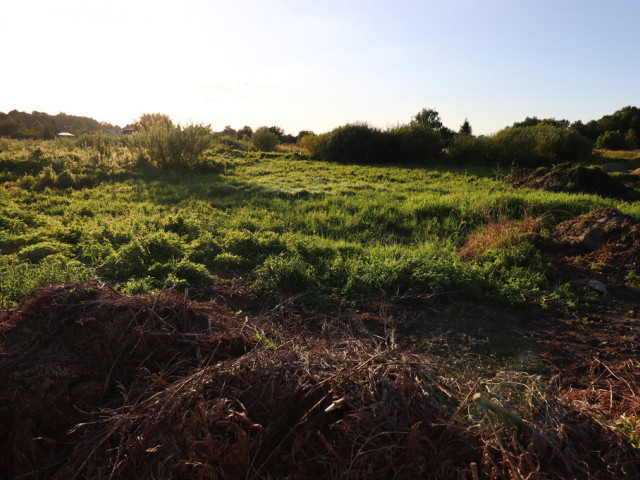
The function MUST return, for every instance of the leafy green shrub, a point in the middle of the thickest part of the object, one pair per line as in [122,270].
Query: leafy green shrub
[286,272]
[204,249]
[264,139]
[37,252]
[138,286]
[468,149]
[231,261]
[190,275]
[47,178]
[23,279]
[538,146]
[412,143]
[311,143]
[514,271]
[169,146]
[611,140]
[356,142]
[361,143]
[66,180]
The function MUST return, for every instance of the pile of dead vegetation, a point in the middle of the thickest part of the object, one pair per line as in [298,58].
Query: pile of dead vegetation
[95,384]
[575,180]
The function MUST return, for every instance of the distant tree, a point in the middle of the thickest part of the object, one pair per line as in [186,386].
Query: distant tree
[245,132]
[12,127]
[37,129]
[527,122]
[552,122]
[428,117]
[264,139]
[630,140]
[465,128]
[147,120]
[611,140]
[229,132]
[592,130]
[48,131]
[302,134]
[278,132]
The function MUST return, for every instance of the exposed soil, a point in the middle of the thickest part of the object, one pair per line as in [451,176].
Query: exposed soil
[576,180]
[603,245]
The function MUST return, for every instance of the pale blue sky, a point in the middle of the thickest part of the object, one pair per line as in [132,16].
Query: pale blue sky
[317,65]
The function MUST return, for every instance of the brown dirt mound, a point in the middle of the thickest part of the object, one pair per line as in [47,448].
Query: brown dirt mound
[67,350]
[95,384]
[576,180]
[606,239]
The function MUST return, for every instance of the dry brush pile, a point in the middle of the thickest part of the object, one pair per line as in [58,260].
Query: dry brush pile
[95,384]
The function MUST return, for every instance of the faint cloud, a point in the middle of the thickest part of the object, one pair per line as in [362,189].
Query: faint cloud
[224,89]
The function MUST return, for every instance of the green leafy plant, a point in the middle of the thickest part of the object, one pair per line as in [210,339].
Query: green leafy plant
[264,139]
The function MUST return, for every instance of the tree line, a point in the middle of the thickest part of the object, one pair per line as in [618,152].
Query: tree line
[531,142]
[40,125]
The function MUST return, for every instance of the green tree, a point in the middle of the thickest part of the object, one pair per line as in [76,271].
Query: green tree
[630,140]
[264,139]
[278,132]
[147,120]
[552,122]
[245,132]
[12,127]
[610,140]
[465,128]
[229,132]
[428,117]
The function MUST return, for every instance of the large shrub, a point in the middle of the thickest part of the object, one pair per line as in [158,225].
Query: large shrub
[169,146]
[469,149]
[264,139]
[539,145]
[311,143]
[611,140]
[356,142]
[412,143]
[361,143]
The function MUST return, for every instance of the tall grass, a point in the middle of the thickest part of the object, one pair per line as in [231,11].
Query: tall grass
[288,223]
[170,147]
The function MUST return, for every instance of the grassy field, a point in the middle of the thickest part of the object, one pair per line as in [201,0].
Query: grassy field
[404,291]
[73,212]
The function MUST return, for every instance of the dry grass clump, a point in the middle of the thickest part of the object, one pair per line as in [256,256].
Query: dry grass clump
[500,234]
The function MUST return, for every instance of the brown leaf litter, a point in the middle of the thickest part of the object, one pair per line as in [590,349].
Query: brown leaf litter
[96,384]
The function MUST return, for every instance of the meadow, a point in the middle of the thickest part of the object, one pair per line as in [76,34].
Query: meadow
[363,308]
[71,210]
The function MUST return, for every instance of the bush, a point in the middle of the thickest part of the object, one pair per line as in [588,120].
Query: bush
[190,275]
[37,252]
[362,143]
[264,139]
[311,143]
[542,145]
[468,149]
[611,140]
[169,146]
[66,179]
[357,142]
[412,143]
[288,273]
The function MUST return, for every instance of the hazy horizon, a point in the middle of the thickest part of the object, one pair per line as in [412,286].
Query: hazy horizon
[311,66]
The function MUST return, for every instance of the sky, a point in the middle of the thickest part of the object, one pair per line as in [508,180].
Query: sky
[316,65]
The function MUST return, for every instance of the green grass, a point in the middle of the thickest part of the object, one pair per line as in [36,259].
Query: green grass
[288,223]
